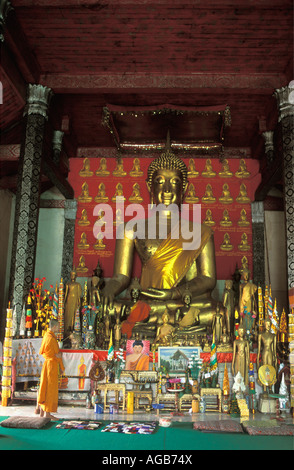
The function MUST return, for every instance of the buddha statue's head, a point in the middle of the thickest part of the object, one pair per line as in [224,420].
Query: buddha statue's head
[167,179]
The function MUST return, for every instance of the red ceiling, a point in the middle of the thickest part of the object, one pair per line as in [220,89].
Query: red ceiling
[148,53]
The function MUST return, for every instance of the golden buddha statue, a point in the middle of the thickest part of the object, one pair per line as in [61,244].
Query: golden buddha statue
[208,171]
[167,268]
[267,346]
[118,192]
[72,301]
[101,196]
[242,172]
[226,197]
[225,171]
[191,194]
[84,196]
[243,222]
[244,245]
[119,169]
[192,172]
[85,171]
[208,218]
[83,244]
[99,245]
[118,218]
[243,197]
[102,170]
[136,170]
[226,244]
[208,195]
[83,221]
[136,196]
[82,268]
[164,331]
[226,221]
[247,301]
[241,355]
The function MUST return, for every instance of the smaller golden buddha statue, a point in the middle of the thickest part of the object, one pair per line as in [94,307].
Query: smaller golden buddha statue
[82,268]
[119,169]
[244,245]
[101,196]
[226,221]
[136,196]
[192,172]
[83,244]
[118,218]
[208,218]
[243,197]
[242,172]
[225,171]
[208,195]
[164,331]
[243,222]
[99,245]
[226,244]
[208,170]
[85,171]
[83,221]
[84,196]
[102,170]
[224,344]
[226,197]
[191,194]
[118,192]
[136,170]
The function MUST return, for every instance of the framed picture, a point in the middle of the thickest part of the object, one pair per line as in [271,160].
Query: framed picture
[175,359]
[137,355]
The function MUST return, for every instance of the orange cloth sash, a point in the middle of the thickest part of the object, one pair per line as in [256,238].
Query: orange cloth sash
[170,263]
[139,312]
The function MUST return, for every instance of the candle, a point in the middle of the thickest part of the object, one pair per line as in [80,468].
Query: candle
[130,403]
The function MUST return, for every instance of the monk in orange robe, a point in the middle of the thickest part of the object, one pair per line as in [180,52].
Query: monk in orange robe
[137,360]
[48,392]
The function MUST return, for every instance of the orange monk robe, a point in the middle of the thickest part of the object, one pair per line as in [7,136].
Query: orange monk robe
[48,392]
[142,363]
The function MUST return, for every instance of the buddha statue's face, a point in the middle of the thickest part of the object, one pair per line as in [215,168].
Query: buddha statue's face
[167,187]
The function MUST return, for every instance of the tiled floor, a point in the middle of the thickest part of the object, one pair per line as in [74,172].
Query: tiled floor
[75,412]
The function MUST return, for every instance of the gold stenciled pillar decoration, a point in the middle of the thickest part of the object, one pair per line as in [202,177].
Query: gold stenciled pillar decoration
[7,358]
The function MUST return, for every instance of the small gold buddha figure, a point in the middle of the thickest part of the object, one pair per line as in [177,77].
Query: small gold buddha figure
[119,169]
[83,244]
[102,170]
[224,344]
[243,197]
[118,192]
[208,219]
[208,170]
[101,196]
[244,246]
[85,171]
[242,172]
[99,245]
[225,171]
[136,170]
[226,244]
[84,196]
[243,222]
[82,268]
[192,172]
[191,194]
[83,221]
[164,331]
[136,196]
[226,197]
[208,195]
[118,217]
[244,264]
[226,221]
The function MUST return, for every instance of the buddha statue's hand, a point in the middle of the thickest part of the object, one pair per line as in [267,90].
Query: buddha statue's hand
[161,294]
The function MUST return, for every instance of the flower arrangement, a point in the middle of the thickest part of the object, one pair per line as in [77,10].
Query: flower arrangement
[41,305]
